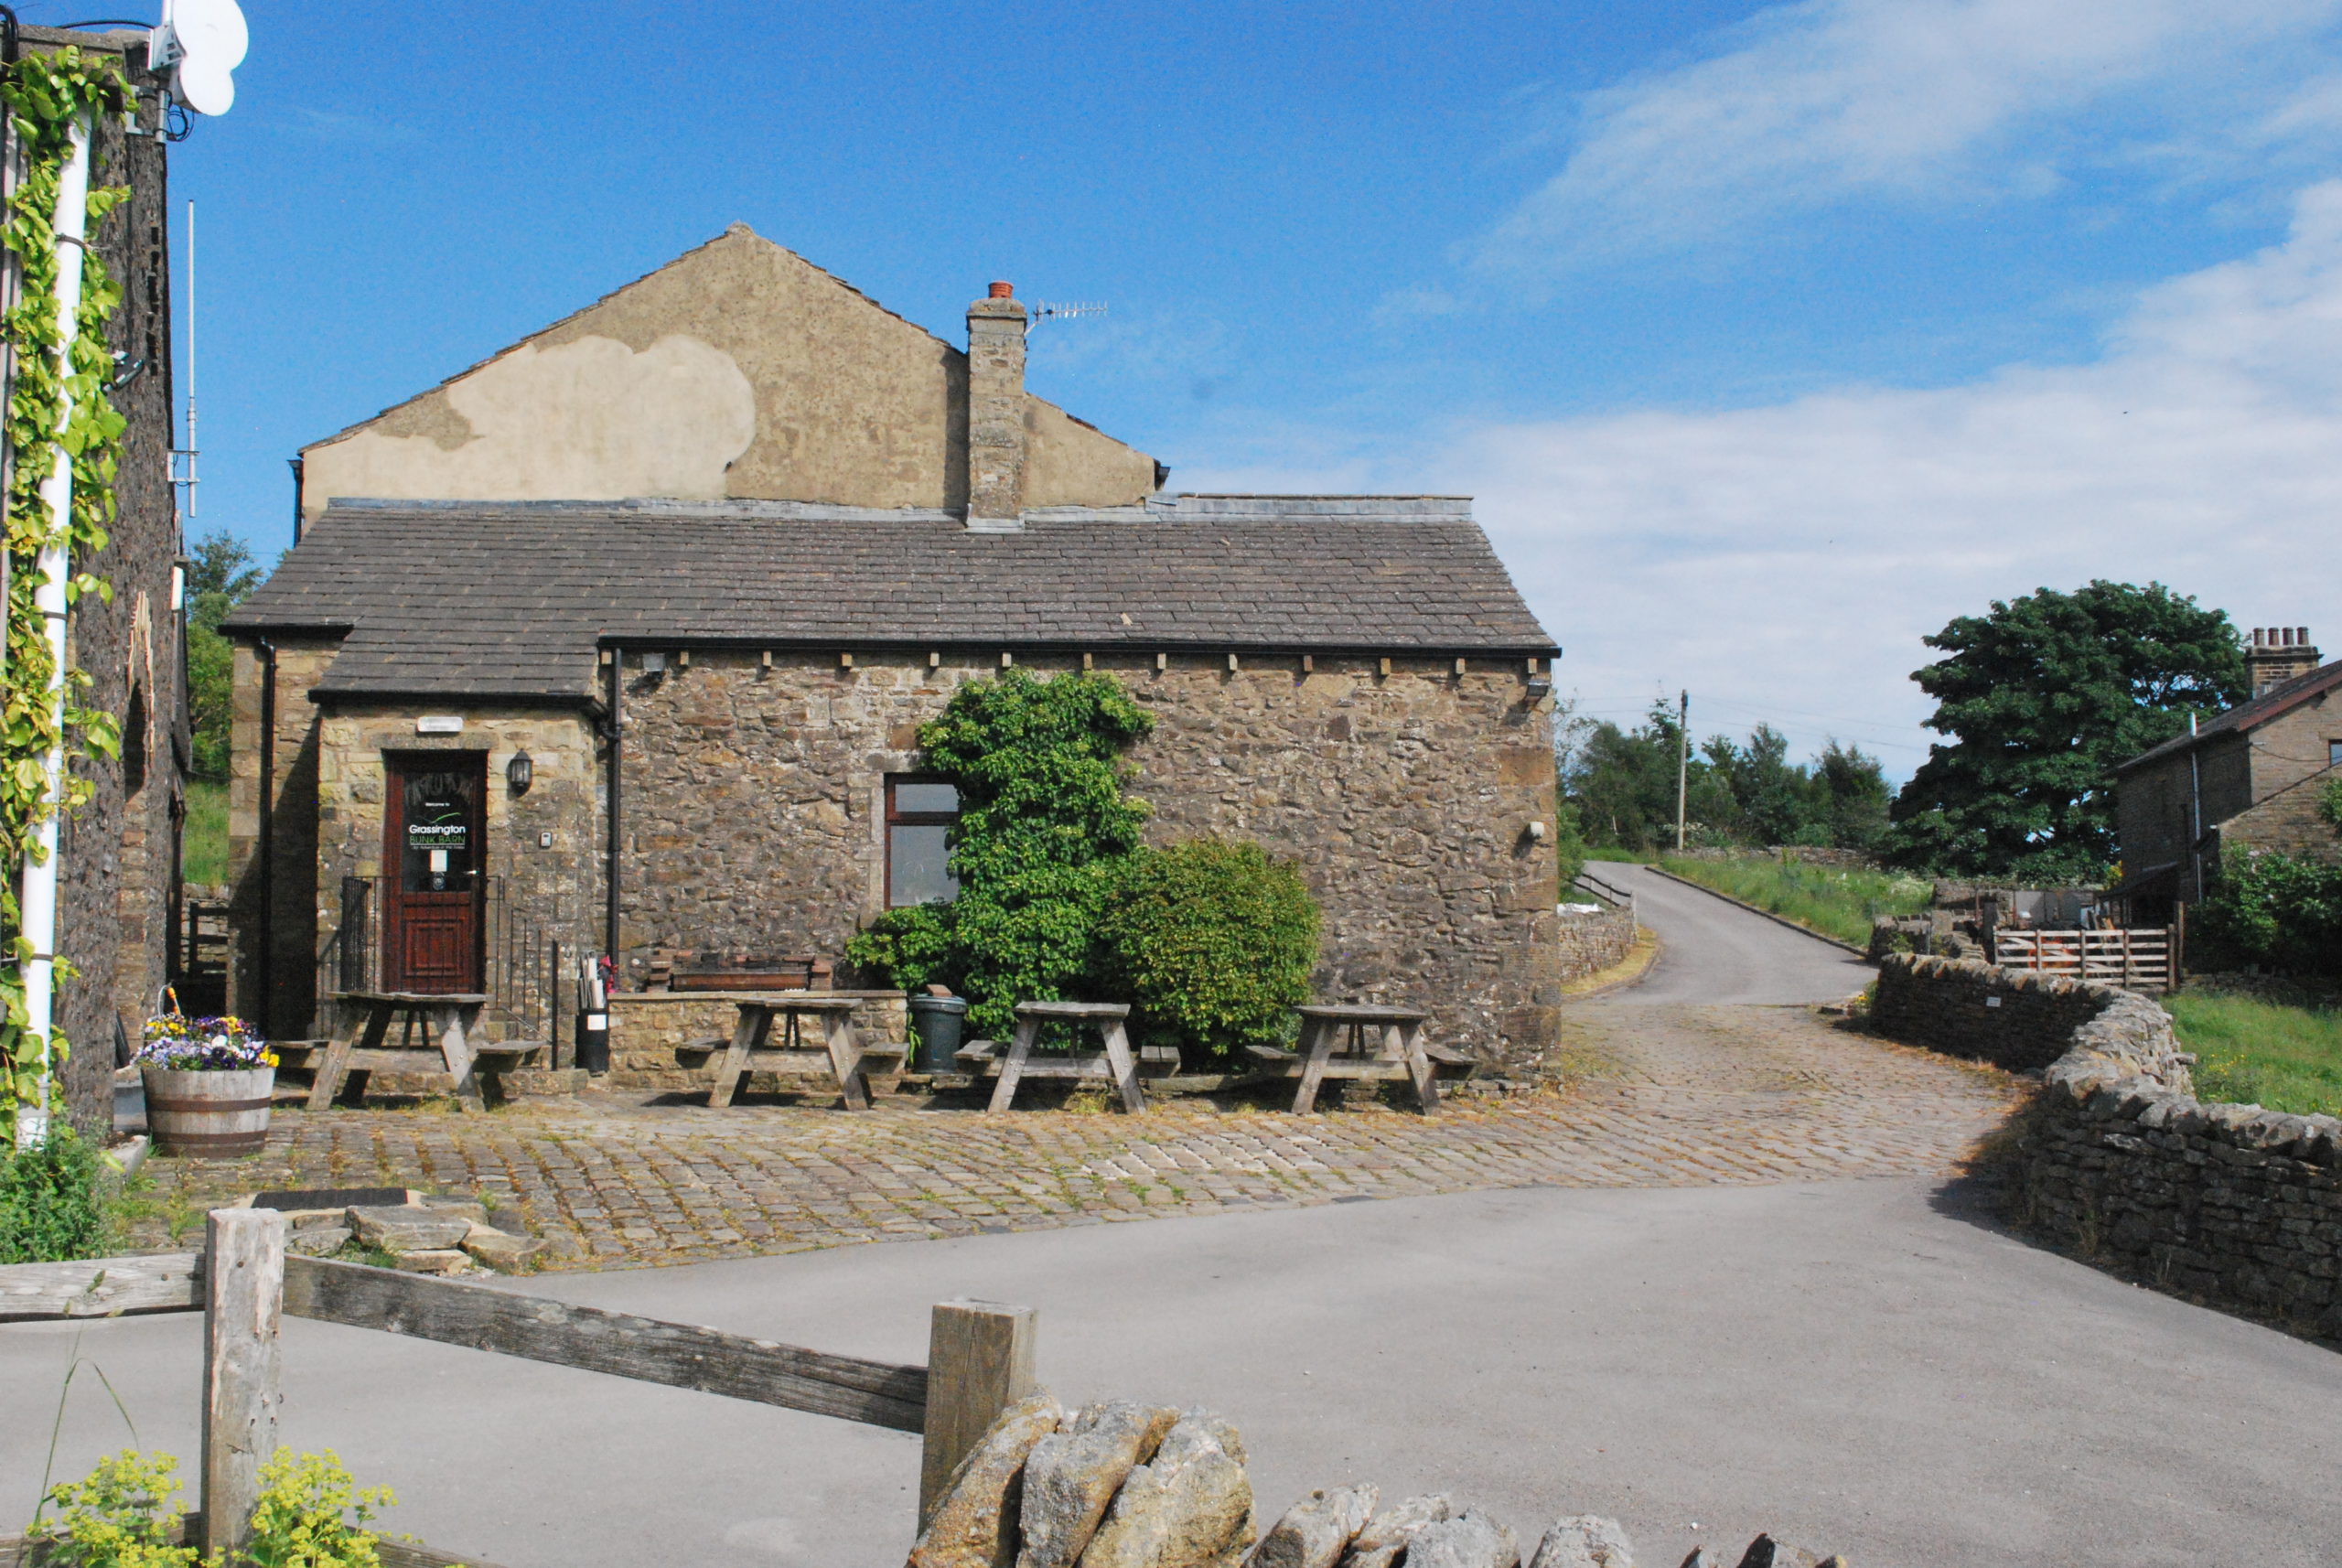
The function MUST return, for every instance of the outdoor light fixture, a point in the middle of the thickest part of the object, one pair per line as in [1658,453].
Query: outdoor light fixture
[519,772]
[1540,686]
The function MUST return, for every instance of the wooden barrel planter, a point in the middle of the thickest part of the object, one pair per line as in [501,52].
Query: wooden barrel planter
[210,1113]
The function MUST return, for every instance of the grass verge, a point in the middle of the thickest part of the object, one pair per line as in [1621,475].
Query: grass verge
[1835,902]
[2251,1052]
[203,841]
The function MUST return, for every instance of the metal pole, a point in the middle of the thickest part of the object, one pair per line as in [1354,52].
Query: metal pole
[1682,764]
[37,901]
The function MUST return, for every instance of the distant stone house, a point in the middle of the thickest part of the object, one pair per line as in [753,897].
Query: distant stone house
[2249,779]
[711,551]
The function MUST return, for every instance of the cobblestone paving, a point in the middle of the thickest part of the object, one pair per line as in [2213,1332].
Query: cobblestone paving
[1657,1097]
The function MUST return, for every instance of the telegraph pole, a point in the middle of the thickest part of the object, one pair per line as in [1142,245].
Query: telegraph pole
[1682,762]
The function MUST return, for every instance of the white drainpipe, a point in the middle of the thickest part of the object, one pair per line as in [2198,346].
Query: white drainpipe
[38,898]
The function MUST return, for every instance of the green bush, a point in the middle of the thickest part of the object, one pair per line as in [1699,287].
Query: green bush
[909,949]
[1212,942]
[52,1202]
[2275,911]
[124,1514]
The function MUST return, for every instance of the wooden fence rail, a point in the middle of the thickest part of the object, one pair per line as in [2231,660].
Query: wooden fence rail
[980,1354]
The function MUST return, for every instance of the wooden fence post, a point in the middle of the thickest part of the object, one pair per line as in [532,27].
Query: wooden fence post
[979,1363]
[244,1298]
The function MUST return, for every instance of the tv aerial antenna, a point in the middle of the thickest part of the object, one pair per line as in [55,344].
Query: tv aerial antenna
[201,42]
[1063,310]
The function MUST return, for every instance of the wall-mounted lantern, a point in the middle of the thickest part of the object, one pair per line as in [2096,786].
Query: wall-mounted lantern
[520,772]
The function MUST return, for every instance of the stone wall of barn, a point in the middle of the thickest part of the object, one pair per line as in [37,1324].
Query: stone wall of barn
[754,809]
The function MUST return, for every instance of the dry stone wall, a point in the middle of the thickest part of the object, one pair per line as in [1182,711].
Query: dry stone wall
[1118,1484]
[754,805]
[1590,943]
[2117,1159]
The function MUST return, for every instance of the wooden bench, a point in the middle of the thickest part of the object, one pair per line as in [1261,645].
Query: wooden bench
[1399,1053]
[1115,1063]
[982,1058]
[841,1057]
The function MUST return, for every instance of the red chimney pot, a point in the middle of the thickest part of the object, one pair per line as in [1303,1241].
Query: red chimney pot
[1003,290]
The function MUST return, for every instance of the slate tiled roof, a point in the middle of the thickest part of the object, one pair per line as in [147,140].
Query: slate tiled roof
[512,599]
[2249,715]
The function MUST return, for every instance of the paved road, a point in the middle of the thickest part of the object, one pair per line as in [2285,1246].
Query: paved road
[1857,1365]
[1668,1326]
[1714,951]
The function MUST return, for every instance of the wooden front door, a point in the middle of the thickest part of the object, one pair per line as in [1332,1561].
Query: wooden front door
[433,894]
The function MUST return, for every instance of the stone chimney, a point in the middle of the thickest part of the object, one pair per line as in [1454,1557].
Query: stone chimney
[996,437]
[2278,654]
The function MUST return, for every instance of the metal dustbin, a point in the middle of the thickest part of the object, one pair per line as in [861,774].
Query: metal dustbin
[936,1021]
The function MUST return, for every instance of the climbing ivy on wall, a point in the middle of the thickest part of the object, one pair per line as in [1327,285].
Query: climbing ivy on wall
[1043,832]
[47,95]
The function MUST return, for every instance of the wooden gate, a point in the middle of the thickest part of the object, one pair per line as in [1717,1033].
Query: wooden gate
[2137,959]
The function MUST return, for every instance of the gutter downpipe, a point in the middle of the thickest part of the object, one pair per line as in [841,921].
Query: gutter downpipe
[38,897]
[2195,820]
[610,879]
[267,848]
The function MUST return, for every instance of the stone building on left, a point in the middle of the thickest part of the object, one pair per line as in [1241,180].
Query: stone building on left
[118,881]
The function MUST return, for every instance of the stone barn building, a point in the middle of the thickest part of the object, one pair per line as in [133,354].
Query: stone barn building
[118,852]
[620,642]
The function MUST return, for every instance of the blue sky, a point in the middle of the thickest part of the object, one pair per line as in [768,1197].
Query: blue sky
[1768,337]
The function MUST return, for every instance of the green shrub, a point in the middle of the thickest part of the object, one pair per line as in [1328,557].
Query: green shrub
[52,1202]
[1212,942]
[124,1514]
[2275,911]
[311,1516]
[909,949]
[1570,851]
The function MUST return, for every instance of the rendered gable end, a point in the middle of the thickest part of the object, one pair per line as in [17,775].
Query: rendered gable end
[739,370]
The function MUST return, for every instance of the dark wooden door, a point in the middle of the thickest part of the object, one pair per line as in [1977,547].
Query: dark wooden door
[433,894]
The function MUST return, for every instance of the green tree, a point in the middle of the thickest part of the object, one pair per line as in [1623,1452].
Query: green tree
[1621,784]
[221,574]
[2043,697]
[1852,797]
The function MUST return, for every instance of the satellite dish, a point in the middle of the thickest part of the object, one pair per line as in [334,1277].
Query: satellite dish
[203,42]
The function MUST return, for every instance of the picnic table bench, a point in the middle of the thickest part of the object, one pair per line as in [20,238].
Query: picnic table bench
[842,1057]
[356,1051]
[1115,1063]
[1398,1053]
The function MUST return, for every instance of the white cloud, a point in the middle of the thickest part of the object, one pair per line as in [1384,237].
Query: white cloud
[1812,103]
[1784,561]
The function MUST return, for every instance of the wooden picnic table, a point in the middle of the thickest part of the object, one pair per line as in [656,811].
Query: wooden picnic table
[1398,1051]
[1115,1063]
[840,1057]
[449,1016]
